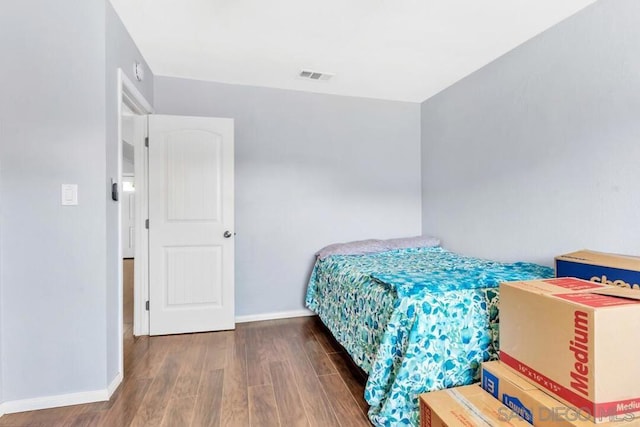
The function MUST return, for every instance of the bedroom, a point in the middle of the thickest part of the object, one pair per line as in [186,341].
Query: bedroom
[569,97]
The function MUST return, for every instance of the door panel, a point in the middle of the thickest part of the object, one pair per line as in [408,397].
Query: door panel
[194,275]
[193,173]
[191,263]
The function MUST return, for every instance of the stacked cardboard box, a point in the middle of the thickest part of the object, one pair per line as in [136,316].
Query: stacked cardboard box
[608,269]
[576,340]
[506,398]
[534,405]
[467,406]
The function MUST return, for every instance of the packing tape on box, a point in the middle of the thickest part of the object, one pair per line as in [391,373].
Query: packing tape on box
[478,417]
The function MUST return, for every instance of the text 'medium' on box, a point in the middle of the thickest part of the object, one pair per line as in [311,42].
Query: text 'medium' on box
[600,267]
[578,340]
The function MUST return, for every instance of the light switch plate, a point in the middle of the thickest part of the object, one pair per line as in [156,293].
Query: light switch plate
[69,194]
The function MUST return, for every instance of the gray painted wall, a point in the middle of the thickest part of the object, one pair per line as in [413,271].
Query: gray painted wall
[58,122]
[537,154]
[52,132]
[121,52]
[310,170]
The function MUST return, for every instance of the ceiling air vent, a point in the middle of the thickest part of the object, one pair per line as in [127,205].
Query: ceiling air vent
[315,75]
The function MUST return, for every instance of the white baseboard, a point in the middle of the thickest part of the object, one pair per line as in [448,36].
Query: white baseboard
[114,384]
[273,316]
[46,402]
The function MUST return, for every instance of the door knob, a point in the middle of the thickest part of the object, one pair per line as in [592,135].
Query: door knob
[227,234]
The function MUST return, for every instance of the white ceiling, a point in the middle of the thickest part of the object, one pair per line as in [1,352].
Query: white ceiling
[406,50]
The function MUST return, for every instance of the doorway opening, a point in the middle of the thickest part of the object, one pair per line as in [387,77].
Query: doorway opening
[128,216]
[133,110]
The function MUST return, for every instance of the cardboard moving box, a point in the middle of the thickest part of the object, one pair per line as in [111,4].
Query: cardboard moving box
[577,340]
[534,405]
[609,269]
[468,406]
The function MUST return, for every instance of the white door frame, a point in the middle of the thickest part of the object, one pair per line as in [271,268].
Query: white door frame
[128,94]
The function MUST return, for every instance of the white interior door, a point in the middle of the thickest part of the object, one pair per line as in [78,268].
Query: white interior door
[128,206]
[191,222]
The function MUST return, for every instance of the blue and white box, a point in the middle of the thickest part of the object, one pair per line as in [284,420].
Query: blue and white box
[600,267]
[529,403]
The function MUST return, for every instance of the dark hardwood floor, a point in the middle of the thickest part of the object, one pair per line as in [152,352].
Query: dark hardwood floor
[274,373]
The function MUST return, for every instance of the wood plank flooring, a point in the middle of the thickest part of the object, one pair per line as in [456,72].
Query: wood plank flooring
[274,373]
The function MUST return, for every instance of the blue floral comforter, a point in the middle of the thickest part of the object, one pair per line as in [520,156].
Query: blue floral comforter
[414,320]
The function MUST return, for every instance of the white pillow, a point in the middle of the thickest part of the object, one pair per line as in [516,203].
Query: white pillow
[358,247]
[413,242]
[361,247]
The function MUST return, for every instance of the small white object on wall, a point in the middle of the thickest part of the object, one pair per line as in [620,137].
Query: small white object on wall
[138,71]
[69,194]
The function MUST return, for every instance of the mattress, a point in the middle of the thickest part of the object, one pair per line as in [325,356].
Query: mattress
[415,320]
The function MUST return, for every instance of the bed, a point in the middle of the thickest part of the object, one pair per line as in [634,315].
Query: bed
[413,319]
